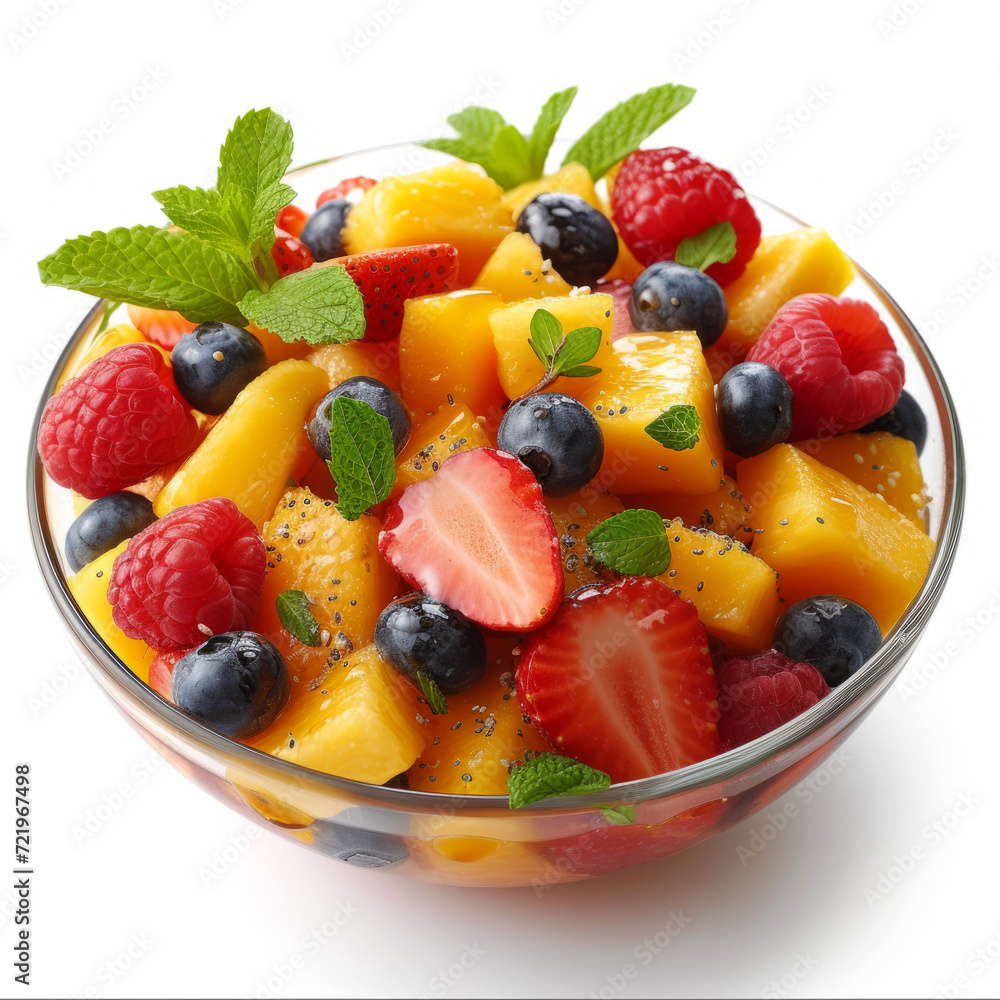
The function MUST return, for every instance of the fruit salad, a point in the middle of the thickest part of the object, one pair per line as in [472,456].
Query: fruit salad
[496,478]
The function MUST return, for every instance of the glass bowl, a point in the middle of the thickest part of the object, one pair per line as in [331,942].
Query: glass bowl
[478,840]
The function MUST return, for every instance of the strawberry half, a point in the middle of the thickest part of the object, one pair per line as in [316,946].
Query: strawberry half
[161,671]
[289,254]
[622,680]
[478,537]
[387,278]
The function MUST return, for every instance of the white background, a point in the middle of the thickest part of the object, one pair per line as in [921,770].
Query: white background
[887,81]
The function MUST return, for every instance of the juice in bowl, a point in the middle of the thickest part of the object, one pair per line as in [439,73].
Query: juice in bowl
[496,523]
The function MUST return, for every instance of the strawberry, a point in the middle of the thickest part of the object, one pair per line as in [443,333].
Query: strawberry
[292,220]
[622,679]
[161,671]
[477,536]
[290,254]
[387,278]
[350,190]
[620,292]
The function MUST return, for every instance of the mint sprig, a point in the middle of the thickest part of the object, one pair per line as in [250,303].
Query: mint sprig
[625,126]
[677,428]
[562,355]
[320,306]
[509,157]
[619,815]
[714,245]
[633,543]
[220,266]
[550,774]
[296,618]
[436,701]
[362,458]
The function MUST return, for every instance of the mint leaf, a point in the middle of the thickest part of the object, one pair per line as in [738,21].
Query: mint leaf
[619,815]
[362,460]
[550,774]
[296,618]
[545,128]
[633,543]
[151,267]
[253,159]
[546,335]
[429,689]
[320,305]
[203,214]
[579,345]
[715,245]
[676,428]
[625,126]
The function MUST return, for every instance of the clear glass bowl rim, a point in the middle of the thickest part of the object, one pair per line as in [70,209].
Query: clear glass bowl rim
[725,767]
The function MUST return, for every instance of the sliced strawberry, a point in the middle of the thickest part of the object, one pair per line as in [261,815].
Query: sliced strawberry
[292,220]
[620,292]
[477,536]
[161,326]
[387,278]
[161,671]
[621,679]
[350,190]
[290,254]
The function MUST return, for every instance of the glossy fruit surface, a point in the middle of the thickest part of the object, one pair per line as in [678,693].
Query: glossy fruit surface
[668,297]
[906,420]
[214,363]
[323,233]
[236,683]
[621,679]
[576,237]
[755,408]
[722,510]
[556,437]
[162,326]
[514,271]
[574,517]
[571,178]
[105,524]
[477,536]
[419,635]
[366,390]
[835,635]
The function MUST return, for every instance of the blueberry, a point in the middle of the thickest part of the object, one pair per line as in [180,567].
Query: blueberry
[348,837]
[835,635]
[575,236]
[107,522]
[669,296]
[236,683]
[323,231]
[214,363]
[369,390]
[556,437]
[906,419]
[754,405]
[418,634]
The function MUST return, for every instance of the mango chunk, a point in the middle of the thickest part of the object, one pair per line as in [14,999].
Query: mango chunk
[514,272]
[455,203]
[446,346]
[258,444]
[517,365]
[344,361]
[722,511]
[89,588]
[827,535]
[573,178]
[783,266]
[736,593]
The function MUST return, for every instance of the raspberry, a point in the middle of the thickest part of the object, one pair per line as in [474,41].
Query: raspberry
[761,691]
[839,359]
[116,423]
[289,254]
[197,571]
[661,196]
